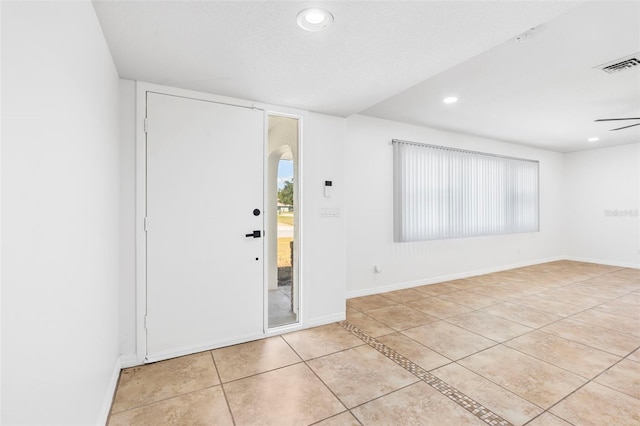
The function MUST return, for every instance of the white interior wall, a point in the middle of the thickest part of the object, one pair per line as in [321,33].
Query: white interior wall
[369,174]
[322,241]
[323,238]
[598,183]
[60,218]
[60,215]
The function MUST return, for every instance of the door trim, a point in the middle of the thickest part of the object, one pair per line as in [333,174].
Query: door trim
[141,89]
[297,229]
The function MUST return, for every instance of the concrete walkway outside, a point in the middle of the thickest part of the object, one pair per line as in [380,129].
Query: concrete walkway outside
[285,231]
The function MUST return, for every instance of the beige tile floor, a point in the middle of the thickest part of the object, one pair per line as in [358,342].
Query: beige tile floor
[550,344]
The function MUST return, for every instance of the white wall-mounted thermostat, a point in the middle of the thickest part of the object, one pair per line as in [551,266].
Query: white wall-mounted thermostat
[328,188]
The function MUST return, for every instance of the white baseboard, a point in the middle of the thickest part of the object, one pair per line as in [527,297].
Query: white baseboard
[132,360]
[604,262]
[315,322]
[450,277]
[188,350]
[289,328]
[111,392]
[127,361]
[327,319]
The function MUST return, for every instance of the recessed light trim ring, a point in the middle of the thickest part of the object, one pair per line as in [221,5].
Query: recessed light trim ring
[314,19]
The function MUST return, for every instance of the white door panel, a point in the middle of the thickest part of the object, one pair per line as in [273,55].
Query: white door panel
[204,179]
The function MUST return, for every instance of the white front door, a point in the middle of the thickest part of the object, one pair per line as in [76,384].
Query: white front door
[204,195]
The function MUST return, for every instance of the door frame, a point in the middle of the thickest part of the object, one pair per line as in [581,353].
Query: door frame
[297,230]
[141,89]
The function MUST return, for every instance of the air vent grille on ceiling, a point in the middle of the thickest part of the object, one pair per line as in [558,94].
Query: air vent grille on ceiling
[621,64]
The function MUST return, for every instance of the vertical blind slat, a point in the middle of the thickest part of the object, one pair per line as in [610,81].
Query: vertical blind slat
[443,192]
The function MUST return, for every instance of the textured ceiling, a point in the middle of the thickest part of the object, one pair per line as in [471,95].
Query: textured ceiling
[392,59]
[545,91]
[254,49]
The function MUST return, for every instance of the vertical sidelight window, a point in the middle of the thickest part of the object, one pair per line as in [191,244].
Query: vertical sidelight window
[283,209]
[442,192]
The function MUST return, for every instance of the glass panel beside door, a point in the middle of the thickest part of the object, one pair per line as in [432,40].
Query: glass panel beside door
[282,203]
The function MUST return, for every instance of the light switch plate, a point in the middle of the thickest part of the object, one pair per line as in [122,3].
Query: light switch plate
[330,211]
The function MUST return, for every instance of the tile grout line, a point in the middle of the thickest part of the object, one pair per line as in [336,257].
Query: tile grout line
[469,404]
[512,300]
[168,398]
[224,392]
[334,416]
[625,358]
[318,377]
[379,397]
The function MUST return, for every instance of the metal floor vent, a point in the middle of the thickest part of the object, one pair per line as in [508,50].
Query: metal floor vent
[622,64]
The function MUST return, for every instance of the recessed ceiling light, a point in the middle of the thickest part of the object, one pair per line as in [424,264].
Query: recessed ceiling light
[450,100]
[593,139]
[314,19]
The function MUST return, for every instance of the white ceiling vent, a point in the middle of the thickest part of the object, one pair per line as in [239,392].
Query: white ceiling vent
[621,64]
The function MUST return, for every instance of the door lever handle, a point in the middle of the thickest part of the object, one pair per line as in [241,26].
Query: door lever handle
[254,234]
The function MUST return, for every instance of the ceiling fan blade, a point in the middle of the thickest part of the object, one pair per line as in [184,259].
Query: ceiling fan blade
[620,128]
[617,119]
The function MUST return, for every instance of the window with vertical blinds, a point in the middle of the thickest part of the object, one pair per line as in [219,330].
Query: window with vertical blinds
[442,192]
